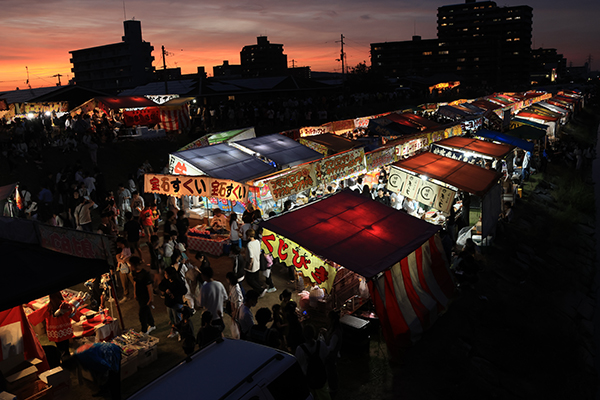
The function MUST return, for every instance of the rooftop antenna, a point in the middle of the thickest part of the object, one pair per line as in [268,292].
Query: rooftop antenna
[27,83]
[124,13]
[57,76]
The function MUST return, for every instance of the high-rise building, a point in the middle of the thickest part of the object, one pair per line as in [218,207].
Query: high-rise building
[263,59]
[479,41]
[114,67]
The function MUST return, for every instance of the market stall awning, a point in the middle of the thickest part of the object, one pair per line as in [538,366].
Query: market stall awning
[527,132]
[467,177]
[537,115]
[225,162]
[501,137]
[386,127]
[284,151]
[116,103]
[358,233]
[476,146]
[453,112]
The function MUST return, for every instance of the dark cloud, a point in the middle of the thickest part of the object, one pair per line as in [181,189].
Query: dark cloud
[365,16]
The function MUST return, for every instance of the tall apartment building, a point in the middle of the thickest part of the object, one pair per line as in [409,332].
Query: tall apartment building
[263,59]
[114,67]
[479,41]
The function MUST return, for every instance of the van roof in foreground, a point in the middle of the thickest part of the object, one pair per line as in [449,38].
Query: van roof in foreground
[215,371]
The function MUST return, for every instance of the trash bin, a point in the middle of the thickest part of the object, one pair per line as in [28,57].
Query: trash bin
[356,335]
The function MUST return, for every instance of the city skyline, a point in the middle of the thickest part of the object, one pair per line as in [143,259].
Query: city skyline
[39,35]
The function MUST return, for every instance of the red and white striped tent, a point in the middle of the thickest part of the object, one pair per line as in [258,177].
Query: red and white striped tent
[175,114]
[400,256]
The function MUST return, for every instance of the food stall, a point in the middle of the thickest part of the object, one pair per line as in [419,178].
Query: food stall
[329,144]
[399,257]
[219,161]
[221,137]
[204,187]
[434,180]
[504,138]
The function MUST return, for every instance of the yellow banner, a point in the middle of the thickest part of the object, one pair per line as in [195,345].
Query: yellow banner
[294,255]
[205,186]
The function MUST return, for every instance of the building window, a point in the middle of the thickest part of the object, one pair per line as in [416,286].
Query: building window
[476,59]
[461,60]
[443,52]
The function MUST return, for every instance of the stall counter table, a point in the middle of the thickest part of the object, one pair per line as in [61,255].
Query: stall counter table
[216,247]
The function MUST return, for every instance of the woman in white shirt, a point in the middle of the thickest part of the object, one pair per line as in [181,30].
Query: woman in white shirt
[234,230]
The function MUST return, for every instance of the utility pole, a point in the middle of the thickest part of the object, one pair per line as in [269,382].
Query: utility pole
[164,53]
[342,55]
[293,65]
[57,76]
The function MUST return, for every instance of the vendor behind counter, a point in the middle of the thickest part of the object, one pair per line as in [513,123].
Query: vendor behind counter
[218,223]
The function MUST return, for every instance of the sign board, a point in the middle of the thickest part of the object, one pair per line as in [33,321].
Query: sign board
[294,255]
[181,185]
[411,147]
[295,181]
[380,158]
[75,243]
[179,167]
[340,166]
[423,191]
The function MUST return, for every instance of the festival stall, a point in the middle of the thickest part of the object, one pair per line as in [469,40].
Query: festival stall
[175,114]
[543,118]
[400,257]
[42,259]
[434,180]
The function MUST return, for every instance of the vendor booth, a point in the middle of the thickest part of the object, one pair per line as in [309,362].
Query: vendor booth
[41,260]
[433,180]
[400,257]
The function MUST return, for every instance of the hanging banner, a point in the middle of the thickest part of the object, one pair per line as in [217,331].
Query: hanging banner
[294,255]
[340,166]
[423,191]
[313,130]
[412,146]
[178,166]
[146,116]
[293,182]
[75,243]
[380,158]
[181,185]
[471,158]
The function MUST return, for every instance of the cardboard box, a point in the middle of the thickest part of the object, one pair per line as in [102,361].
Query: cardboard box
[7,396]
[147,356]
[23,378]
[56,376]
[129,365]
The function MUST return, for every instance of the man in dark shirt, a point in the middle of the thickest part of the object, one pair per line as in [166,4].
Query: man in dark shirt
[132,232]
[142,288]
[382,197]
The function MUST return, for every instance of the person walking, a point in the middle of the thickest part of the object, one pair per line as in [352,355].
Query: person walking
[253,267]
[173,289]
[143,293]
[212,296]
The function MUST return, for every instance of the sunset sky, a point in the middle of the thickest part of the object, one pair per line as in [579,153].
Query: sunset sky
[40,34]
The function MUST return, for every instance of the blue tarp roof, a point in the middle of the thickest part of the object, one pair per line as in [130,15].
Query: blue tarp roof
[285,151]
[225,162]
[501,137]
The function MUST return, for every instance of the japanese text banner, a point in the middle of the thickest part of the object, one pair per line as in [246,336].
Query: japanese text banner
[293,182]
[340,166]
[181,185]
[425,192]
[293,255]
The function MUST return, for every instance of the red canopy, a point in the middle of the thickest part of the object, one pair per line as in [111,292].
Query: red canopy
[356,232]
[464,176]
[477,146]
[530,114]
[116,103]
